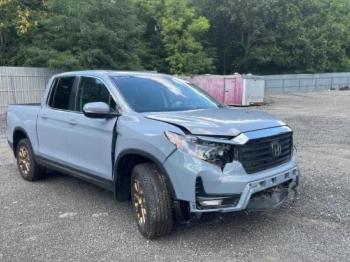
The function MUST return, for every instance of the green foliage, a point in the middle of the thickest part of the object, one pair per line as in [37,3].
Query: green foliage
[278,36]
[15,21]
[178,36]
[153,53]
[8,33]
[175,30]
[180,31]
[84,34]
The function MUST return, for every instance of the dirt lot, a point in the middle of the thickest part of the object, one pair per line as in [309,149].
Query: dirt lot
[62,218]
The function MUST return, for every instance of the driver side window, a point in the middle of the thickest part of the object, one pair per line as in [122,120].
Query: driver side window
[91,90]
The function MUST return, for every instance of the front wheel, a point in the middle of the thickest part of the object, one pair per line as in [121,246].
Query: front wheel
[151,200]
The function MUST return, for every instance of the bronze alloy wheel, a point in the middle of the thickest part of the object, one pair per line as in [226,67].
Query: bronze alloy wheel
[28,168]
[139,202]
[24,160]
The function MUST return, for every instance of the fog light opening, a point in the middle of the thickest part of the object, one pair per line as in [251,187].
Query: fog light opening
[212,201]
[209,203]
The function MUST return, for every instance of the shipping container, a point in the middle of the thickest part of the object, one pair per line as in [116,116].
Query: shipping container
[239,90]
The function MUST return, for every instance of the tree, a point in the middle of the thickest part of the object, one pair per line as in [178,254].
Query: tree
[278,36]
[84,34]
[176,30]
[321,37]
[153,53]
[243,32]
[178,36]
[16,19]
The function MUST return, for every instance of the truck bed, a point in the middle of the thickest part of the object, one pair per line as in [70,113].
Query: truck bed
[22,116]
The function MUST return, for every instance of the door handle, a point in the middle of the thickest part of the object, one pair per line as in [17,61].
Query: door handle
[44,116]
[72,122]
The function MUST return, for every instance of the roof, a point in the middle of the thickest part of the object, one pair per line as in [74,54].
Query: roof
[110,73]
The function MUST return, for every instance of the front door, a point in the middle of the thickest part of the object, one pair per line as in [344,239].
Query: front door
[90,140]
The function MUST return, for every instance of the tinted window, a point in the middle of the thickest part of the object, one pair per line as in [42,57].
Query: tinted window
[92,90]
[61,92]
[161,93]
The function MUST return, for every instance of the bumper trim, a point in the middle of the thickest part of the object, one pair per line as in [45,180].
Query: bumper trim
[226,200]
[268,198]
[255,187]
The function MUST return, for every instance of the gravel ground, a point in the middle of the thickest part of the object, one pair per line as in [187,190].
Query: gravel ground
[62,218]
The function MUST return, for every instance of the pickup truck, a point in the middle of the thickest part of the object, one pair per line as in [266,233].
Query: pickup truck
[157,140]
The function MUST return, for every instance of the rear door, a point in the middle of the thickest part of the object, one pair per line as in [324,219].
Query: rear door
[90,140]
[54,121]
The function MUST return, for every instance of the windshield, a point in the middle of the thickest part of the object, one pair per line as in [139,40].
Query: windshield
[149,93]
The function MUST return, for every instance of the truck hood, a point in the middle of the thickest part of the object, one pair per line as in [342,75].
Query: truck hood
[217,121]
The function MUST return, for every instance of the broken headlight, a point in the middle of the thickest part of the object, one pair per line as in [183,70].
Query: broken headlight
[215,153]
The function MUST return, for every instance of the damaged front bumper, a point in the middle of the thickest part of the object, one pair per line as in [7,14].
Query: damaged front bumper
[205,187]
[266,193]
[271,197]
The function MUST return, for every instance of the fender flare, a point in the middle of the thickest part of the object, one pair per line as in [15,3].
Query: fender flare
[14,145]
[142,153]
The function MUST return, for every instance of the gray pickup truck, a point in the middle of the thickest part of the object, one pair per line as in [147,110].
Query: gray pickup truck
[157,140]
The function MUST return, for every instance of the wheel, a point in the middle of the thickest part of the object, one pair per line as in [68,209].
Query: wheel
[151,200]
[27,166]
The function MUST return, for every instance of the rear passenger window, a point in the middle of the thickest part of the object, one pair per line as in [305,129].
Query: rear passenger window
[92,90]
[61,92]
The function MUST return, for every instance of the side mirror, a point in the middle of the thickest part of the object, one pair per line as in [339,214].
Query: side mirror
[98,110]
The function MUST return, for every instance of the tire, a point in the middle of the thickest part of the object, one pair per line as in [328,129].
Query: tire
[26,164]
[151,201]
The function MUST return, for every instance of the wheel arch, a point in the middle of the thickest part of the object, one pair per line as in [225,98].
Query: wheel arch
[124,164]
[18,134]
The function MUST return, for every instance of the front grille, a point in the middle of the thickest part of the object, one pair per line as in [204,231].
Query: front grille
[257,155]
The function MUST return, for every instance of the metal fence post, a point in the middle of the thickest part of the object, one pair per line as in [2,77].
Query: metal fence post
[316,87]
[332,79]
[13,89]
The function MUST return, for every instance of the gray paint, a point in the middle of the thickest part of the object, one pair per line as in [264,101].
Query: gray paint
[72,139]
[219,122]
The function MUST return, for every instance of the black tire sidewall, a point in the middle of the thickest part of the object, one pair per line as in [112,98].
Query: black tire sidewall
[150,179]
[145,227]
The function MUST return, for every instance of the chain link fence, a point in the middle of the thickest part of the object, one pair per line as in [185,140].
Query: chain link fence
[2,125]
[306,82]
[22,85]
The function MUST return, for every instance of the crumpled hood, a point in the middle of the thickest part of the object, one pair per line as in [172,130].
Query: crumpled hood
[218,121]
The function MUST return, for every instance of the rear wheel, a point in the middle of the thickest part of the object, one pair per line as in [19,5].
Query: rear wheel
[27,166]
[151,201]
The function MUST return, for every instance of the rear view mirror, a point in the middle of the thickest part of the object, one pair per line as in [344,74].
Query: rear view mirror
[98,110]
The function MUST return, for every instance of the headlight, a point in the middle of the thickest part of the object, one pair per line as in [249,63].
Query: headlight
[215,153]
